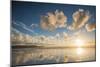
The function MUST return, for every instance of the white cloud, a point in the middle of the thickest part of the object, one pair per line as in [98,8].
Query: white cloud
[28,29]
[61,19]
[80,18]
[33,25]
[57,35]
[24,26]
[53,20]
[90,27]
[65,35]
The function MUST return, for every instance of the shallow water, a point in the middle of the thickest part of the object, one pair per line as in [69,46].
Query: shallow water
[36,56]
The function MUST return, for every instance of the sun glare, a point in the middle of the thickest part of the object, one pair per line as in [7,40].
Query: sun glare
[79,51]
[79,42]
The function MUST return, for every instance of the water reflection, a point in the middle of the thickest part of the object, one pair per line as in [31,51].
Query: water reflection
[79,51]
[43,56]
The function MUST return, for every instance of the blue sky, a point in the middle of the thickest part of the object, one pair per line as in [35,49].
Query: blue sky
[24,14]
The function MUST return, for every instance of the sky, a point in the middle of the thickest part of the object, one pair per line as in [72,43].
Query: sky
[51,19]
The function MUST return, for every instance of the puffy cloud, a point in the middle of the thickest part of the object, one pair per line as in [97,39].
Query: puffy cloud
[57,35]
[18,37]
[53,20]
[90,27]
[60,18]
[80,18]
[65,35]
[48,22]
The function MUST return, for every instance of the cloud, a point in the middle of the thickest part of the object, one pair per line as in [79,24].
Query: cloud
[77,33]
[28,29]
[90,27]
[57,35]
[48,22]
[24,26]
[19,37]
[14,30]
[16,23]
[65,35]
[33,25]
[53,20]
[60,18]
[80,18]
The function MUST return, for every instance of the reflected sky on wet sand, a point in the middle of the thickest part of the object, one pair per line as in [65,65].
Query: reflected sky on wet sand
[27,56]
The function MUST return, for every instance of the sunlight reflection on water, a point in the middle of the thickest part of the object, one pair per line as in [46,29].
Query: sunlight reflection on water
[43,56]
[79,51]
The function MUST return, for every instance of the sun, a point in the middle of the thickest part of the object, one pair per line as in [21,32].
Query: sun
[79,42]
